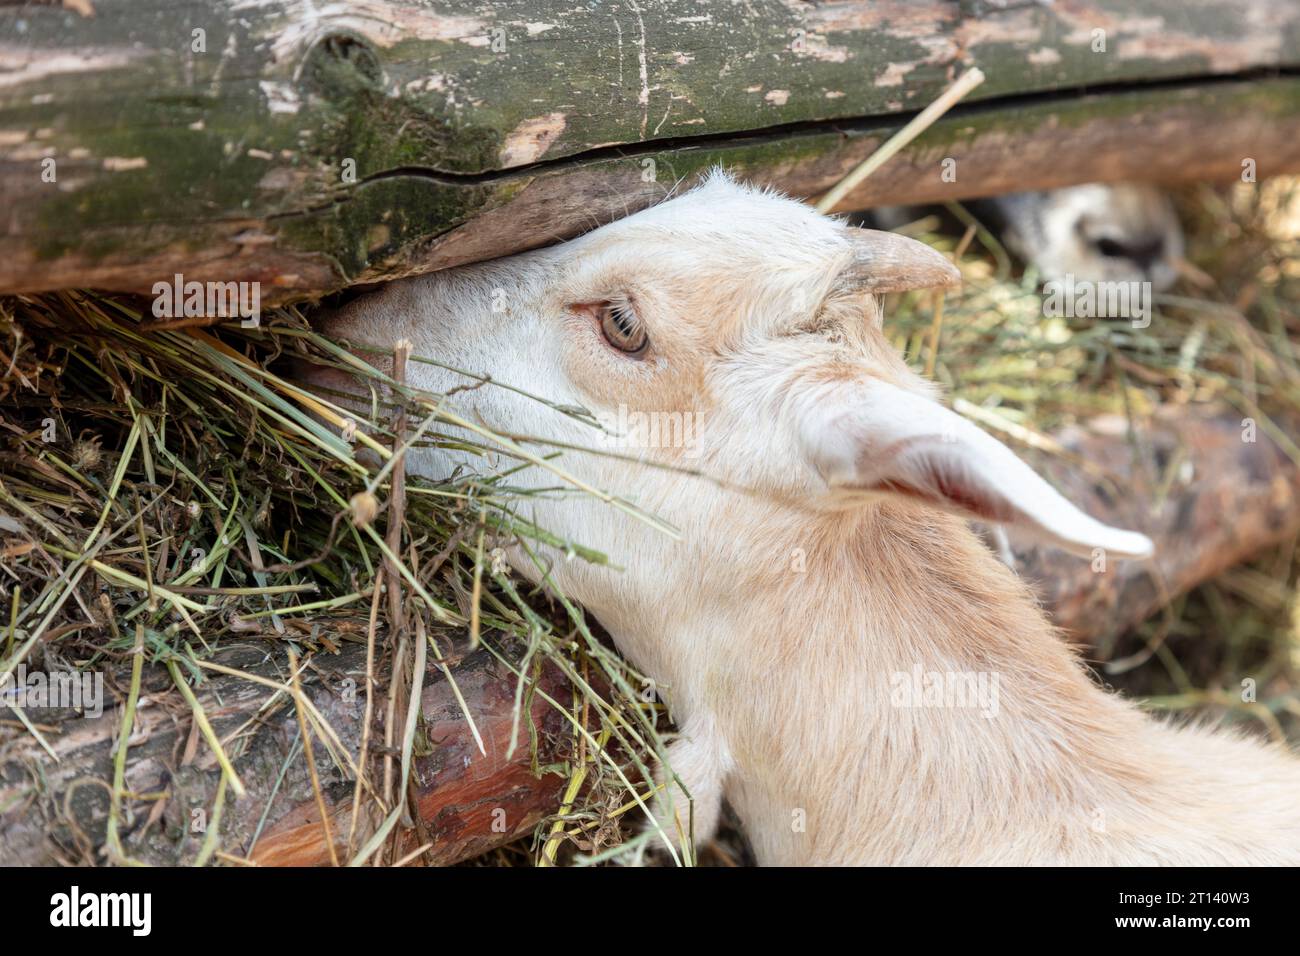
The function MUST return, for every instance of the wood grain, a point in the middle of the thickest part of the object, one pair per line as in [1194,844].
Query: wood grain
[309,147]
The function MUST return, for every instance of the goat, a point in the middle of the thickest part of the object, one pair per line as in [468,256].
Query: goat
[1120,232]
[811,622]
[1098,232]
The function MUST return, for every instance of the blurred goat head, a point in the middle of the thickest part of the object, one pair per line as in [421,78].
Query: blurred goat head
[1120,232]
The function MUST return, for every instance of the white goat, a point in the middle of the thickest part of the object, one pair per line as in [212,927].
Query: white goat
[847,664]
[1097,232]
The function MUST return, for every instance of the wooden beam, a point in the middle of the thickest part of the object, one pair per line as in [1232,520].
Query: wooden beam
[310,147]
[1207,495]
[469,801]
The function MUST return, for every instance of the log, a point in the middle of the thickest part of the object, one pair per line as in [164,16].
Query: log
[1209,489]
[1225,496]
[310,147]
[468,801]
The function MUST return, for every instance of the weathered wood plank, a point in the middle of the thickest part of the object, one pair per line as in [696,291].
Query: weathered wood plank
[413,222]
[1152,135]
[48,815]
[310,146]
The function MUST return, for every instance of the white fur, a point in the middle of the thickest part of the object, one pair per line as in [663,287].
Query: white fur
[825,563]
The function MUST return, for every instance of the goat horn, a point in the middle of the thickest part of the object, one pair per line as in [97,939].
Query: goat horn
[888,262]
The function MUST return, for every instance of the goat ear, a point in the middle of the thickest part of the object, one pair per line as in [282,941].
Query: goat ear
[888,441]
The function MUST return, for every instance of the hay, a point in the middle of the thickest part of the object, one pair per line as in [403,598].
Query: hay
[169,483]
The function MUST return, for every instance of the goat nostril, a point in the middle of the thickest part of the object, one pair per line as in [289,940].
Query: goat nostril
[1111,249]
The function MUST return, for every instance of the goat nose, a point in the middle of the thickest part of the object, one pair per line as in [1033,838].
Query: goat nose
[888,262]
[1143,254]
[1149,255]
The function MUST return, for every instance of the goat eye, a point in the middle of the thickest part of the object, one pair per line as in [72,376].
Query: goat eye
[621,327]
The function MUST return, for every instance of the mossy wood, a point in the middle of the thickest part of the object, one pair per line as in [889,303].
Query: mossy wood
[313,146]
